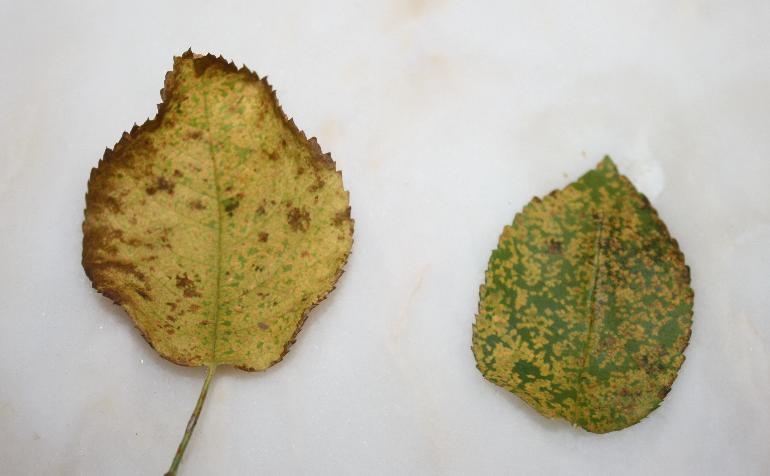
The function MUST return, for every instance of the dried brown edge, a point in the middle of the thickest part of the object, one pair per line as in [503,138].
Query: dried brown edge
[201,63]
[678,255]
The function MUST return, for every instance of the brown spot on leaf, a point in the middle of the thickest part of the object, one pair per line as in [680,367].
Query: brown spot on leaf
[554,247]
[115,295]
[317,185]
[232,203]
[113,204]
[325,161]
[161,185]
[187,286]
[101,238]
[126,268]
[197,204]
[164,236]
[141,292]
[298,219]
[165,185]
[341,217]
[663,392]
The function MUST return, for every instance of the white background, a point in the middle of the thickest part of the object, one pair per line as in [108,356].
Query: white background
[445,118]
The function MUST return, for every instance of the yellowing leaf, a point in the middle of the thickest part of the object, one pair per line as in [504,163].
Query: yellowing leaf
[217,225]
[587,305]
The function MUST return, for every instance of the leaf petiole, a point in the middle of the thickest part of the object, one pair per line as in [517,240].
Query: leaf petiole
[192,422]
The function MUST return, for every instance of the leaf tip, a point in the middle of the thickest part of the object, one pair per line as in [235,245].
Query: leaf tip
[607,164]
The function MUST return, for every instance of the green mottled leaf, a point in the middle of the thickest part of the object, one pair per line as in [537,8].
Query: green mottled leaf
[587,305]
[217,225]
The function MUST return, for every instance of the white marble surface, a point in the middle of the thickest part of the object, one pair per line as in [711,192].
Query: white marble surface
[446,118]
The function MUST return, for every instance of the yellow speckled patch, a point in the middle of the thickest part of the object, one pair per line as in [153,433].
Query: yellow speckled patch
[217,225]
[587,305]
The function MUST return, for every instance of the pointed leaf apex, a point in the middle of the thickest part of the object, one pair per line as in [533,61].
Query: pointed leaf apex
[607,164]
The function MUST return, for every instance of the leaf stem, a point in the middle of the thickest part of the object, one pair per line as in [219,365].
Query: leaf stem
[191,424]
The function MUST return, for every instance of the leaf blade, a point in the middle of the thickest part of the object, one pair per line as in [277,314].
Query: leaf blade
[586,307]
[217,225]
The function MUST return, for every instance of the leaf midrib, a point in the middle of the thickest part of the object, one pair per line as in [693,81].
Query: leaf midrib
[591,300]
[217,195]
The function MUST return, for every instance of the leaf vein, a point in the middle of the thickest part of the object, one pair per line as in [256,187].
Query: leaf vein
[592,303]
